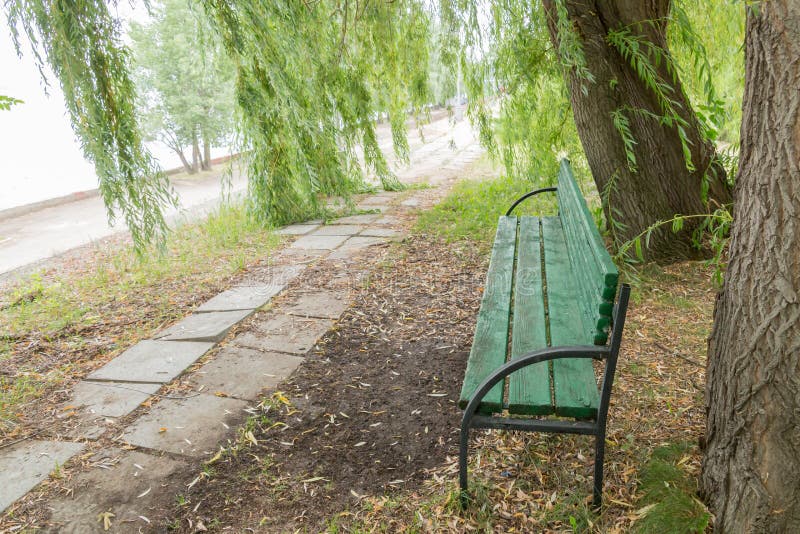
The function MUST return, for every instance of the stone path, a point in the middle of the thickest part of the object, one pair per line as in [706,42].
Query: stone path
[143,417]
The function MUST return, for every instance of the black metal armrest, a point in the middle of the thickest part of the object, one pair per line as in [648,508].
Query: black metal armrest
[552,353]
[528,195]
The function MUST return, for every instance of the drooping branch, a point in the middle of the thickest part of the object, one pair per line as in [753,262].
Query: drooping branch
[80,42]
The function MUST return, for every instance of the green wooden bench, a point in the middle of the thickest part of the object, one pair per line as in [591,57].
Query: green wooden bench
[550,288]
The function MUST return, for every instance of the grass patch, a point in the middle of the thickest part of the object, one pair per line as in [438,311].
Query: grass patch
[52,325]
[669,503]
[471,209]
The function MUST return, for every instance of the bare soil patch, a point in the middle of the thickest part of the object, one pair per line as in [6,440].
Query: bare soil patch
[366,439]
[371,413]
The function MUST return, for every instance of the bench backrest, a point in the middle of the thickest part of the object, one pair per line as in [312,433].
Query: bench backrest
[595,272]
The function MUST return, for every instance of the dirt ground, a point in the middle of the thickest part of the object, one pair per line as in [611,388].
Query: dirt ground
[364,436]
[370,414]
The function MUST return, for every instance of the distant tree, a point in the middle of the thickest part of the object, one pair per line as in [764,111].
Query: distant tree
[185,82]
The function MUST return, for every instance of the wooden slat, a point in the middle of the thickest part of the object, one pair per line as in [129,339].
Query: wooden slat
[529,388]
[582,267]
[567,184]
[490,343]
[574,384]
[596,274]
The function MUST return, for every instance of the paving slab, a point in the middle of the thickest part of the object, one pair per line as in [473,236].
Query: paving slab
[356,219]
[241,298]
[321,303]
[304,256]
[411,202]
[284,333]
[378,199]
[319,242]
[297,229]
[129,484]
[359,242]
[26,464]
[339,229]
[244,373]
[378,207]
[110,399]
[354,245]
[212,326]
[152,361]
[381,232]
[388,219]
[272,275]
[192,426]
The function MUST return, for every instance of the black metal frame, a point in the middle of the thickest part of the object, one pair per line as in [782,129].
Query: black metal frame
[528,195]
[597,427]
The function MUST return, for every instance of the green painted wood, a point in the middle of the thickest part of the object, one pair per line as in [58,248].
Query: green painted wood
[529,388]
[574,384]
[567,184]
[583,268]
[595,272]
[489,346]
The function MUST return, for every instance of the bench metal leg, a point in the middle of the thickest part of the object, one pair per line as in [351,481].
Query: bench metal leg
[531,358]
[462,465]
[599,453]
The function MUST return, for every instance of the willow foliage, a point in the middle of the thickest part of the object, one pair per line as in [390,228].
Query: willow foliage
[311,78]
[313,75]
[80,42]
[505,48]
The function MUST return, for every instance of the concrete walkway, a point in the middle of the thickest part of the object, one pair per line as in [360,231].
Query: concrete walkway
[172,400]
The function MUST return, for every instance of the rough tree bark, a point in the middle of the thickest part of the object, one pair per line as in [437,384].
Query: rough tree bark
[662,186]
[751,469]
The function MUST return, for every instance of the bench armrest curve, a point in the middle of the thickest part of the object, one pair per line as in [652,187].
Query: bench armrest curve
[552,353]
[528,195]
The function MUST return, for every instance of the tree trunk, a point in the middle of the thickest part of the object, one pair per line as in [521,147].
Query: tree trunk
[206,153]
[184,162]
[751,469]
[196,157]
[661,185]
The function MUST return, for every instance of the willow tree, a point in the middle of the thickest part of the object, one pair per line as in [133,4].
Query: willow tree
[307,78]
[650,155]
[751,467]
[307,72]
[185,82]
[80,42]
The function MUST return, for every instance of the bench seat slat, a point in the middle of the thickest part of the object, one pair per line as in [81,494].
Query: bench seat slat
[529,388]
[491,332]
[574,383]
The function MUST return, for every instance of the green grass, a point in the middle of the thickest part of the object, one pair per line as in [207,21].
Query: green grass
[117,295]
[472,208]
[669,504]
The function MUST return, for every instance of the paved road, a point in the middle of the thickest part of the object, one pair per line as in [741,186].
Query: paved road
[42,234]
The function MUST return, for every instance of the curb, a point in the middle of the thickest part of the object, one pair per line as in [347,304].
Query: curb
[19,211]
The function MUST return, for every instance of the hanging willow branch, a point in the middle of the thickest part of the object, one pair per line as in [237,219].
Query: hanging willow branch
[311,78]
[79,41]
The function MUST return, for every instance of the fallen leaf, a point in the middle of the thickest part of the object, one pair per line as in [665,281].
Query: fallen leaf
[105,517]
